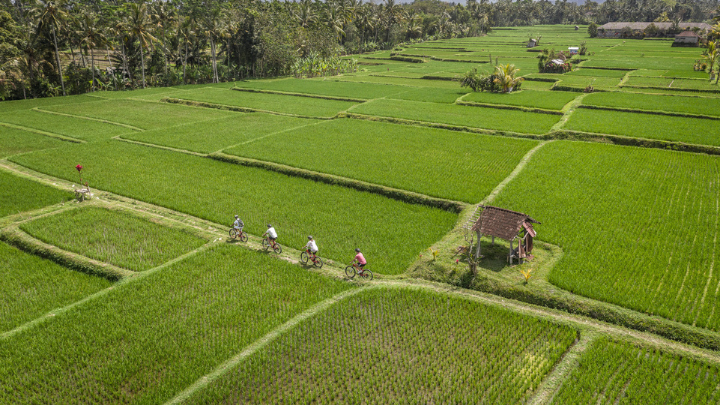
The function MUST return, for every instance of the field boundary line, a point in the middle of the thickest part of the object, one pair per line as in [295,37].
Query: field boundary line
[38,109]
[510,177]
[573,135]
[555,379]
[260,343]
[269,135]
[101,293]
[153,145]
[36,213]
[40,132]
[650,112]
[508,107]
[295,94]
[203,104]
[450,127]
[567,110]
[390,192]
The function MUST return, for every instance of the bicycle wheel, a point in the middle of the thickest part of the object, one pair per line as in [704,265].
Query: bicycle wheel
[318,263]
[265,244]
[304,257]
[350,271]
[243,237]
[367,275]
[277,249]
[233,233]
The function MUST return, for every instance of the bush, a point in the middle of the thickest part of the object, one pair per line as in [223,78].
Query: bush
[593,30]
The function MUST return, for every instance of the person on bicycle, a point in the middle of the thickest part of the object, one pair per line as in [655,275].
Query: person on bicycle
[271,234]
[238,224]
[360,260]
[312,247]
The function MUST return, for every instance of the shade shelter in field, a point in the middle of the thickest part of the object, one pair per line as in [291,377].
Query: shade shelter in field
[508,225]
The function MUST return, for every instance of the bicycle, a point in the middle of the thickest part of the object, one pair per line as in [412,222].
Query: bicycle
[238,233]
[275,246]
[354,269]
[306,255]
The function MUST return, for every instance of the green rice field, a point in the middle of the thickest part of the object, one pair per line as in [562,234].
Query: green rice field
[619,303]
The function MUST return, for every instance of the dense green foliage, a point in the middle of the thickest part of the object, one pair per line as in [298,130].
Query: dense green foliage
[383,346]
[102,234]
[32,286]
[19,194]
[391,233]
[214,135]
[638,227]
[149,339]
[619,373]
[434,162]
[479,117]
[650,126]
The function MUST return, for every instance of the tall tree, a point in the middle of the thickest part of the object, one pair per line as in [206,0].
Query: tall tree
[51,14]
[138,25]
[92,37]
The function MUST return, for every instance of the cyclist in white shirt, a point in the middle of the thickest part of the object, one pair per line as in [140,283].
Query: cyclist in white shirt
[238,224]
[312,246]
[271,234]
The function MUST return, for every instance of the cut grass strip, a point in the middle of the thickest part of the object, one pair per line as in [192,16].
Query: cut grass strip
[341,219]
[113,237]
[478,117]
[648,126]
[20,194]
[146,341]
[550,100]
[15,141]
[145,115]
[32,286]
[423,160]
[211,136]
[301,106]
[393,337]
[64,125]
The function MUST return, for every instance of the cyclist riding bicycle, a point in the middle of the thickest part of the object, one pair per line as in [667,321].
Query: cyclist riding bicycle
[360,259]
[238,224]
[271,234]
[312,246]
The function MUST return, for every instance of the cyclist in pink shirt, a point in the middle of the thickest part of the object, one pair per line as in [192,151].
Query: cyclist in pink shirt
[360,259]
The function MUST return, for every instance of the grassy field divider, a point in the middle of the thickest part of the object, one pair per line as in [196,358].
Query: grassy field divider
[38,109]
[520,166]
[678,89]
[474,130]
[231,363]
[397,194]
[193,103]
[288,93]
[567,111]
[16,237]
[34,214]
[650,112]
[127,280]
[569,362]
[508,107]
[153,145]
[566,134]
[39,132]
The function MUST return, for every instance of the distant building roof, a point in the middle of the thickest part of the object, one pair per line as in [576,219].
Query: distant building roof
[687,34]
[660,25]
[503,223]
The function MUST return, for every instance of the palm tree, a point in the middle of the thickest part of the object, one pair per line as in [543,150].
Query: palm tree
[505,76]
[214,31]
[393,15]
[138,25]
[51,13]
[163,17]
[186,32]
[92,37]
[712,56]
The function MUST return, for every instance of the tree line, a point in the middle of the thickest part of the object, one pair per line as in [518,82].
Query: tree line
[54,47]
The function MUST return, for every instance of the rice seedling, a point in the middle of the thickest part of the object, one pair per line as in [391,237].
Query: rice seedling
[385,346]
[19,194]
[14,141]
[113,237]
[613,372]
[341,219]
[147,340]
[637,226]
[214,135]
[435,162]
[477,117]
[33,286]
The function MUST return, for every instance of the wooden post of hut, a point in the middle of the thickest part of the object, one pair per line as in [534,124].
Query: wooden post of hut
[508,225]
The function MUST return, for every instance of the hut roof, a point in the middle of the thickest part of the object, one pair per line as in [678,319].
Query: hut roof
[502,223]
[687,34]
